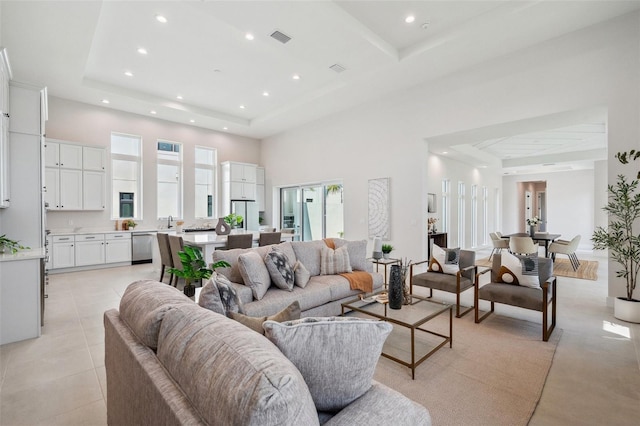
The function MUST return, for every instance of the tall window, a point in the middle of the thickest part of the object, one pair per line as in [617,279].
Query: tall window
[496,216]
[474,215]
[485,215]
[314,212]
[169,179]
[461,215]
[446,205]
[205,171]
[126,176]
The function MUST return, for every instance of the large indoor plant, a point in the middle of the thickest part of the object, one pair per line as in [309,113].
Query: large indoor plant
[621,239]
[194,268]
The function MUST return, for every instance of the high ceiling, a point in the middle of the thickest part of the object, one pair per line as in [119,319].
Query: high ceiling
[344,52]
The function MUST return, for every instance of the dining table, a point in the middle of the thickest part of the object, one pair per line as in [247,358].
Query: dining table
[538,237]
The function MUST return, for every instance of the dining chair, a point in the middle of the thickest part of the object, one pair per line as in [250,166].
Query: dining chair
[268,238]
[566,247]
[165,254]
[522,245]
[498,243]
[239,241]
[176,243]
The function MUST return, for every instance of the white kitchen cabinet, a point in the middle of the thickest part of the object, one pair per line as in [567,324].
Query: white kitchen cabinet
[52,187]
[5,186]
[70,189]
[241,172]
[25,115]
[260,189]
[20,314]
[51,154]
[63,252]
[89,249]
[70,156]
[242,191]
[238,183]
[5,76]
[118,247]
[93,190]
[93,158]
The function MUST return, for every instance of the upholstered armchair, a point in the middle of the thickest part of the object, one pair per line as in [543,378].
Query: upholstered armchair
[540,297]
[566,247]
[463,280]
[498,243]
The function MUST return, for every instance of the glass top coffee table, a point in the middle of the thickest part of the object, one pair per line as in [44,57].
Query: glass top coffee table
[413,316]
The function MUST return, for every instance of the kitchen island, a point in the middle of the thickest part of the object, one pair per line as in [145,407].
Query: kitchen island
[210,241]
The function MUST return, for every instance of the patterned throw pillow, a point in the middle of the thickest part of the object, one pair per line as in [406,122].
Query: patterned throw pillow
[334,261]
[337,356]
[445,260]
[228,294]
[210,298]
[290,313]
[280,269]
[519,270]
[302,275]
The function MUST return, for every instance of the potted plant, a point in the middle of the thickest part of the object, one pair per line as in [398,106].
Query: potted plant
[194,268]
[233,220]
[7,245]
[533,225]
[623,209]
[131,224]
[386,249]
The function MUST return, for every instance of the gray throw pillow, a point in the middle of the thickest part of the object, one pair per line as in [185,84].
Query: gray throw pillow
[302,275]
[280,269]
[290,313]
[228,295]
[357,253]
[254,273]
[337,356]
[210,298]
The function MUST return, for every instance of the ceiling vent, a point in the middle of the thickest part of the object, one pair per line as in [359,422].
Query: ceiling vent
[281,37]
[337,68]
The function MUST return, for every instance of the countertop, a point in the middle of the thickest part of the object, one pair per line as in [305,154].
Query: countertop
[83,231]
[23,255]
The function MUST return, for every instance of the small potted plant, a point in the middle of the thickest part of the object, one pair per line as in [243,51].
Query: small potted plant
[194,268]
[533,225]
[386,249]
[131,224]
[233,220]
[7,245]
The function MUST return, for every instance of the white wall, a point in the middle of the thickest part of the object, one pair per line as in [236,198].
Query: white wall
[595,67]
[91,125]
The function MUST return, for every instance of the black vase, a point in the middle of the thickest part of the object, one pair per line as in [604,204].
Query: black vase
[395,287]
[189,290]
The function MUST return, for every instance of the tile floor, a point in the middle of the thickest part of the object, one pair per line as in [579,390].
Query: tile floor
[59,378]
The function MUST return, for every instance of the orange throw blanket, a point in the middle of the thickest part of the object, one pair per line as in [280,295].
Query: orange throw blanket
[358,280]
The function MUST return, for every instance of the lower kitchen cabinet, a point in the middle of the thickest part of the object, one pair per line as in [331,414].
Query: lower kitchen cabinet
[117,248]
[82,250]
[89,249]
[63,251]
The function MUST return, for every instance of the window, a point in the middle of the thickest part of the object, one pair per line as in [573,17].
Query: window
[461,215]
[496,216]
[205,173]
[314,212]
[446,205]
[169,179]
[485,215]
[126,176]
[474,215]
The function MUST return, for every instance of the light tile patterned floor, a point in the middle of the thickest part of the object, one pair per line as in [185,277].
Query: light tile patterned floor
[59,378]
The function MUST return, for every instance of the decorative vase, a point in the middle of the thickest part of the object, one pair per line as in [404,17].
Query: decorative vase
[395,287]
[377,248]
[532,230]
[222,228]
[189,290]
[627,310]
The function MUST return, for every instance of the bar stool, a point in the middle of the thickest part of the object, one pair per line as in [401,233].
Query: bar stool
[165,254]
[239,241]
[268,238]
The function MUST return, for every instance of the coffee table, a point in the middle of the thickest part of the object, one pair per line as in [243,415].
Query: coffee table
[413,316]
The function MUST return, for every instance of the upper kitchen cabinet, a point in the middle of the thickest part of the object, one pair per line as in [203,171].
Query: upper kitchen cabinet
[5,187]
[238,183]
[5,77]
[93,158]
[26,113]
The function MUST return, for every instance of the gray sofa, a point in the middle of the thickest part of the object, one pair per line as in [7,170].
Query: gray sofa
[322,296]
[170,362]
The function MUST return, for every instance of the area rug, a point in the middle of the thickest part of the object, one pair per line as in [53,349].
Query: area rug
[493,374]
[588,269]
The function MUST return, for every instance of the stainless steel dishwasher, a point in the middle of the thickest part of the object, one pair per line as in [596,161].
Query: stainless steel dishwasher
[142,247]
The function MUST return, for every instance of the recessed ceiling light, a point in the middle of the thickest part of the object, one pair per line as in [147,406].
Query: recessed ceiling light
[179,97]
[409,19]
[265,93]
[105,101]
[192,121]
[249,36]
[445,152]
[161,18]
[142,51]
[128,73]
[152,112]
[241,106]
[225,128]
[296,77]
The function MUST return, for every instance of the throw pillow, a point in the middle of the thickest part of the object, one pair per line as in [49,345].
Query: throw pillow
[301,274]
[210,298]
[337,356]
[334,261]
[290,313]
[519,270]
[254,273]
[357,253]
[280,269]
[445,260]
[228,295]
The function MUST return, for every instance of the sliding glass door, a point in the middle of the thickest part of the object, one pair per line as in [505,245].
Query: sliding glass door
[314,212]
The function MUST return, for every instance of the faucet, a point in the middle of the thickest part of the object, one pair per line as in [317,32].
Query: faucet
[169,219]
